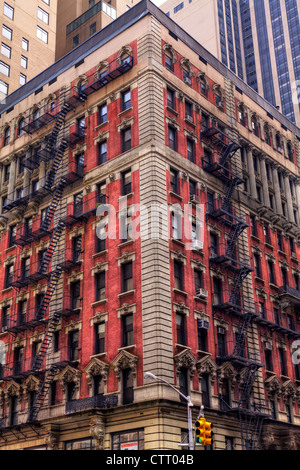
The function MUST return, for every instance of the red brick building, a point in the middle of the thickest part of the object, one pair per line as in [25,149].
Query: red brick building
[141,115]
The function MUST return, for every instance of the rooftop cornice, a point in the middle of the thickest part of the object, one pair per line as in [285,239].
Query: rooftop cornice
[130,17]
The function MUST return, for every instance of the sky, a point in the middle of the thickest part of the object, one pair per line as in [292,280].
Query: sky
[158,2]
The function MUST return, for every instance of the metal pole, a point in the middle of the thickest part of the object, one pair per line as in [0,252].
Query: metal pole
[189,406]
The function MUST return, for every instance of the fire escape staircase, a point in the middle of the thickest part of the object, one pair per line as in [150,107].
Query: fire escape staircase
[250,422]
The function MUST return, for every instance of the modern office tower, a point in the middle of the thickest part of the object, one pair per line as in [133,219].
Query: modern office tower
[258,40]
[28,41]
[150,212]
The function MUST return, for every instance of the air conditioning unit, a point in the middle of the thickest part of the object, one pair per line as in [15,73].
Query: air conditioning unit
[221,330]
[202,292]
[187,80]
[220,105]
[197,246]
[268,346]
[294,254]
[203,324]
[189,117]
[4,328]
[195,198]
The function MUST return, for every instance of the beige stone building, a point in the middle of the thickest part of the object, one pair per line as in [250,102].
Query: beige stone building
[28,41]
[36,33]
[141,113]
[257,40]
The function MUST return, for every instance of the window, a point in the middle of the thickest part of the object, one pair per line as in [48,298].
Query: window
[128,382]
[125,100]
[7,32]
[282,361]
[53,393]
[22,312]
[24,62]
[13,414]
[284,277]
[25,44]
[126,182]
[81,125]
[8,11]
[188,111]
[193,188]
[271,272]
[42,34]
[73,345]
[261,309]
[28,226]
[267,234]
[4,68]
[23,79]
[76,248]
[127,330]
[75,295]
[190,150]
[102,152]
[279,241]
[217,284]
[180,328]
[178,275]
[93,28]
[78,204]
[98,385]
[76,40]
[257,265]
[18,360]
[102,114]
[80,164]
[9,275]
[213,245]
[71,390]
[172,138]
[170,98]
[276,316]
[268,359]
[183,383]
[198,278]
[253,225]
[202,337]
[127,279]
[25,265]
[169,62]
[5,318]
[3,88]
[43,15]
[99,338]
[174,186]
[100,286]
[178,7]
[5,50]
[12,235]
[288,413]
[205,390]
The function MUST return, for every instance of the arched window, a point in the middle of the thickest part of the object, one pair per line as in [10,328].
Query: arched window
[21,127]
[6,136]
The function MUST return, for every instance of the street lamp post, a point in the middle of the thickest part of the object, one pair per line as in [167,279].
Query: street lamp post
[189,405]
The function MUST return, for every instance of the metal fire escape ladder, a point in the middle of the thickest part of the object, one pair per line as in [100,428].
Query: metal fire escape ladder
[54,203]
[239,264]
[41,395]
[55,165]
[60,120]
[55,276]
[52,246]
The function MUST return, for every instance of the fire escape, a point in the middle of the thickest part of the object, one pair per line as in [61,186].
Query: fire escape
[232,258]
[53,223]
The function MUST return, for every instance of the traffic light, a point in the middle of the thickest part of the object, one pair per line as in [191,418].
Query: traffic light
[208,434]
[204,432]
[200,430]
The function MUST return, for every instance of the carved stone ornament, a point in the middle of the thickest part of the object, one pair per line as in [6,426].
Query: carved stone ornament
[97,432]
[187,360]
[273,386]
[206,365]
[124,360]
[96,367]
[125,51]
[52,440]
[227,372]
